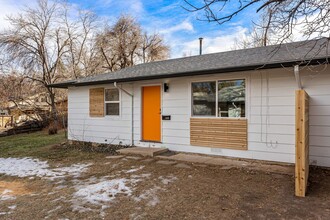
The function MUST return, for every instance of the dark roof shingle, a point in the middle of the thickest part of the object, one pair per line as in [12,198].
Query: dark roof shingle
[237,60]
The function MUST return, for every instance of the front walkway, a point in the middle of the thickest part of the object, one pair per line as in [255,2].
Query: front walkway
[225,162]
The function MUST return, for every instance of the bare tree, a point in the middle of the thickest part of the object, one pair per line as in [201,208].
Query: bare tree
[81,59]
[153,48]
[256,37]
[51,43]
[283,17]
[124,44]
[13,87]
[36,42]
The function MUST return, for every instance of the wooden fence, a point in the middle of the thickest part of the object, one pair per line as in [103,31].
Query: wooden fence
[302,143]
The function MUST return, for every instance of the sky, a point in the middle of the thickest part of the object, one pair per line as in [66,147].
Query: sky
[179,28]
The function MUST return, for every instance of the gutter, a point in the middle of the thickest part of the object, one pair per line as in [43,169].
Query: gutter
[132,116]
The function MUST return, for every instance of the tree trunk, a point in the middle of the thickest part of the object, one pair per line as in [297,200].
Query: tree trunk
[53,114]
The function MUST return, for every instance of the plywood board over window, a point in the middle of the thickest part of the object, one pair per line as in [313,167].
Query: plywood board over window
[219,133]
[96,102]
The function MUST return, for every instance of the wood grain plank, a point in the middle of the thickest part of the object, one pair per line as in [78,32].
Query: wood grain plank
[96,102]
[302,143]
[219,133]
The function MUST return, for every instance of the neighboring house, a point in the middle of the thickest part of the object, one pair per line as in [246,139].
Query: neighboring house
[32,107]
[237,103]
[6,119]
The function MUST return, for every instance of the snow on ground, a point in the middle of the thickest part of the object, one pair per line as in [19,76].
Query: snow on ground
[151,194]
[168,179]
[5,195]
[102,192]
[29,167]
[134,169]
[93,194]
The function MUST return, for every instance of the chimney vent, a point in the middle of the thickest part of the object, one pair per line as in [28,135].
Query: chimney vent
[200,45]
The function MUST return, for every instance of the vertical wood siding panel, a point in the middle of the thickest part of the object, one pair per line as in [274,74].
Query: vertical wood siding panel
[96,102]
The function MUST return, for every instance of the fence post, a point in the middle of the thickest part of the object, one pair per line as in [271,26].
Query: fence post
[302,143]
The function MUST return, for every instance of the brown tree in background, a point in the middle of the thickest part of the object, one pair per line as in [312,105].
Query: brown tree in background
[82,58]
[13,86]
[36,43]
[153,48]
[56,42]
[46,44]
[124,44]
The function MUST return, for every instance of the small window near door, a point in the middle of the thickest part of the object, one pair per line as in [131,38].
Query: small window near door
[112,102]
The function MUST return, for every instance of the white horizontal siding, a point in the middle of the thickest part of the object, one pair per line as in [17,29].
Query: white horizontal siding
[317,84]
[270,111]
[108,129]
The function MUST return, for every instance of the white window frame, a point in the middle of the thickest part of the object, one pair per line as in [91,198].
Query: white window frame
[217,97]
[119,102]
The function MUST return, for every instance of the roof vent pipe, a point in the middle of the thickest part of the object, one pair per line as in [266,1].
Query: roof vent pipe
[200,45]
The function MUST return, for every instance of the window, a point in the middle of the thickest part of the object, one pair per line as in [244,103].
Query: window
[229,100]
[112,102]
[203,98]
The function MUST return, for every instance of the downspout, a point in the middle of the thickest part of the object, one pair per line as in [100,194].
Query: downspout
[297,76]
[132,117]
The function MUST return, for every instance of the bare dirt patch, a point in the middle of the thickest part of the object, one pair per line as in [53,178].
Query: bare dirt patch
[14,188]
[123,188]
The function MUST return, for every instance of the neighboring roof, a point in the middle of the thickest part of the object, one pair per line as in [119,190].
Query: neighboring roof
[304,52]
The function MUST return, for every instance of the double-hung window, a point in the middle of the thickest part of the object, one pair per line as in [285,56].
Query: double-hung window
[112,102]
[223,98]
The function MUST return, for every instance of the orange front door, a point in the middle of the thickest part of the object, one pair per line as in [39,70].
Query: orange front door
[151,113]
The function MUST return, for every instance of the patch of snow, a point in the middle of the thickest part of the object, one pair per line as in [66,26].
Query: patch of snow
[29,167]
[168,179]
[55,209]
[150,195]
[104,191]
[134,169]
[5,195]
[100,194]
[12,207]
[59,199]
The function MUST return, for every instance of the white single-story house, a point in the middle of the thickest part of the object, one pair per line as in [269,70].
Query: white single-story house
[238,103]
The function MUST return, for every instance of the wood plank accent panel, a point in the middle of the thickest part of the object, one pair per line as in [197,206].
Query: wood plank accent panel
[96,102]
[219,133]
[302,143]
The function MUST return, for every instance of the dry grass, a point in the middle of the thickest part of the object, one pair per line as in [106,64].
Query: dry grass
[196,192]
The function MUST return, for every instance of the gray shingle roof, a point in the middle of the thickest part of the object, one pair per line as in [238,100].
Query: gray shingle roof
[274,56]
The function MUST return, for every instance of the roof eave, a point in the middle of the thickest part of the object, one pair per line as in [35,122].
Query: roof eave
[62,85]
[194,73]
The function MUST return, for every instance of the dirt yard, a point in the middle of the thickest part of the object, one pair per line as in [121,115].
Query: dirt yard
[98,186]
